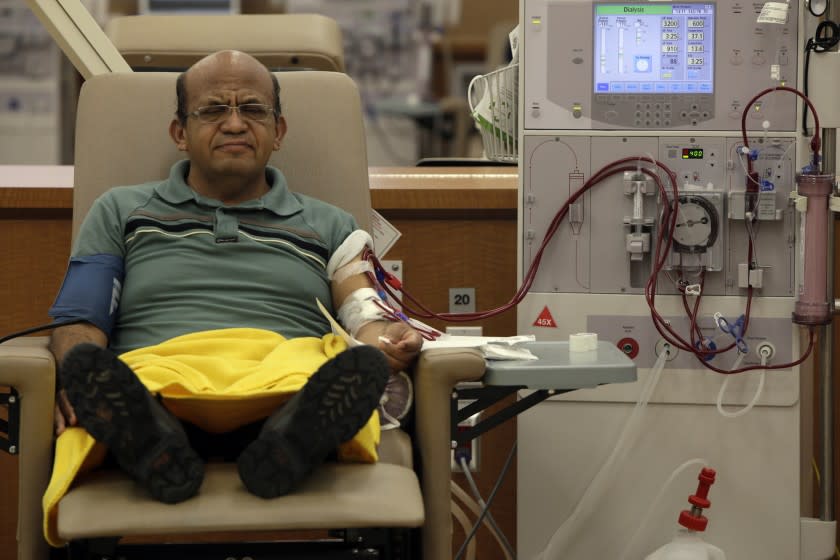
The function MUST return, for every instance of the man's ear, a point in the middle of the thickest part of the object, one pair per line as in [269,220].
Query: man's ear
[279,131]
[178,134]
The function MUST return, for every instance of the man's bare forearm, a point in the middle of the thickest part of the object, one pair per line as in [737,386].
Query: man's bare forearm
[65,338]
[370,333]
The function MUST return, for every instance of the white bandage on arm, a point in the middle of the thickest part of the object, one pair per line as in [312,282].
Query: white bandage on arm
[348,250]
[359,309]
[352,269]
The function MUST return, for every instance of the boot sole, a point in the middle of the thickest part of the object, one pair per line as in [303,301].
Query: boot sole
[115,409]
[336,402]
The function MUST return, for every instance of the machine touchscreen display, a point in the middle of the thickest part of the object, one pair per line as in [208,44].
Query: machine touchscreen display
[654,48]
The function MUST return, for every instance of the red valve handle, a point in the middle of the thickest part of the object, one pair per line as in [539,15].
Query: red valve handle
[706,478]
[694,519]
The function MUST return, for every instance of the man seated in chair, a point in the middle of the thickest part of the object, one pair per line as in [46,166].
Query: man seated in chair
[202,289]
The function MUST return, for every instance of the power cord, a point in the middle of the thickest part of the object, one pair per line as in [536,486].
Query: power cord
[40,328]
[473,506]
[505,543]
[826,36]
[490,498]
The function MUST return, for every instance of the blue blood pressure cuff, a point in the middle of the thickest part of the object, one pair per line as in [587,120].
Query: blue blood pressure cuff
[91,291]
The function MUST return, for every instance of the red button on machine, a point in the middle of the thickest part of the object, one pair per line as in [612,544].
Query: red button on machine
[629,346]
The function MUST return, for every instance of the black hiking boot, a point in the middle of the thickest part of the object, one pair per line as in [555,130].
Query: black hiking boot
[336,402]
[116,409]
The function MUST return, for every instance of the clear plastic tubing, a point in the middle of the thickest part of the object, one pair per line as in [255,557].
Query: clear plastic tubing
[608,472]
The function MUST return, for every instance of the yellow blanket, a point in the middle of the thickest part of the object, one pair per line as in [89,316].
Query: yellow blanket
[218,380]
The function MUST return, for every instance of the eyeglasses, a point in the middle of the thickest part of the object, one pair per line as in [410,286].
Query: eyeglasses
[248,111]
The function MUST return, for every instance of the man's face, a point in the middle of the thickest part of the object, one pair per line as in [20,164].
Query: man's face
[235,145]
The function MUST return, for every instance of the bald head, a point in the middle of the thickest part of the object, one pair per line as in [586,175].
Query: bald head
[224,63]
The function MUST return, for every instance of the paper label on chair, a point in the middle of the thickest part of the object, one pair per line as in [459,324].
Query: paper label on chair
[384,234]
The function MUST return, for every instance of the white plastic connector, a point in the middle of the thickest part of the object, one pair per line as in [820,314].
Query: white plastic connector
[737,205]
[663,346]
[799,202]
[765,351]
[747,277]
[637,244]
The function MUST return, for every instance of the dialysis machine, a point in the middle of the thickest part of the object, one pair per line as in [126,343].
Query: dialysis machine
[668,83]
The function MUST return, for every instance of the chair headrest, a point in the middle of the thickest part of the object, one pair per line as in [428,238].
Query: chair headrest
[280,41]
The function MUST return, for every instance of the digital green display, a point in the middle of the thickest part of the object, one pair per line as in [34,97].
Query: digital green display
[692,153]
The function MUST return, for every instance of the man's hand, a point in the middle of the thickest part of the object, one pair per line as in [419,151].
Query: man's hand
[401,344]
[62,341]
[65,416]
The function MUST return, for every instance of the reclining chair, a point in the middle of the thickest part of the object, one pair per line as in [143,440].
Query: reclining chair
[122,139]
[280,41]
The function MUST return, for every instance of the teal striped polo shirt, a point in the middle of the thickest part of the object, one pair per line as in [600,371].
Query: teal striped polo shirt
[191,263]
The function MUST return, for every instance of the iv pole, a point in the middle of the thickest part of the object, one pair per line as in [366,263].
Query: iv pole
[826,414]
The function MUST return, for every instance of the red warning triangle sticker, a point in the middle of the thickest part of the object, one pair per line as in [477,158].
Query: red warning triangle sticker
[545,319]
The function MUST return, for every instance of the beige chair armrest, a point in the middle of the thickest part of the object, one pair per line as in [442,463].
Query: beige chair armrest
[437,372]
[27,365]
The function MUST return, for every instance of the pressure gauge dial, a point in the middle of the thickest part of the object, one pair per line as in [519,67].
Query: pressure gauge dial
[697,225]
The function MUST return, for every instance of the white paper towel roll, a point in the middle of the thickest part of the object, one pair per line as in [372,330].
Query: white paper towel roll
[583,342]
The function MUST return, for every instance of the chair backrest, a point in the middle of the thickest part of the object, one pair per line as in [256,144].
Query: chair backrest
[280,41]
[122,137]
